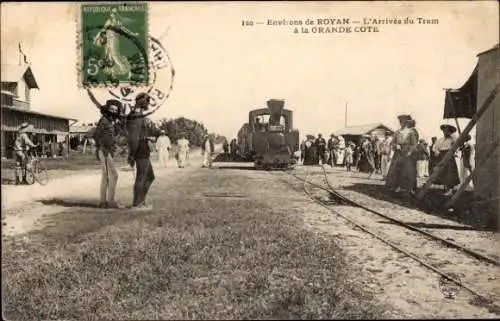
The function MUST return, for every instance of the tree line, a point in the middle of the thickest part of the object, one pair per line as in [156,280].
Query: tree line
[176,127]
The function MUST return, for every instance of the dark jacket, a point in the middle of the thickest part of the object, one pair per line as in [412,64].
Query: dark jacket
[104,136]
[320,145]
[137,136]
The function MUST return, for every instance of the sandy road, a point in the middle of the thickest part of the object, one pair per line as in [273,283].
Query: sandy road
[21,205]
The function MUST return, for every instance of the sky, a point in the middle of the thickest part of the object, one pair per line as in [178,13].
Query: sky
[223,70]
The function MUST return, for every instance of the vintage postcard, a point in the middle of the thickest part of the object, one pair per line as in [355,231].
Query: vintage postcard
[250,160]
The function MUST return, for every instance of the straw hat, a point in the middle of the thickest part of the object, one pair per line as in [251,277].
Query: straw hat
[25,127]
[449,128]
[404,117]
[411,122]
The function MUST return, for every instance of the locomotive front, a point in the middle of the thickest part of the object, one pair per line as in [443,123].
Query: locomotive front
[274,146]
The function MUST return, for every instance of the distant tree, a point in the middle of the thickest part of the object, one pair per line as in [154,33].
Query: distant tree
[193,130]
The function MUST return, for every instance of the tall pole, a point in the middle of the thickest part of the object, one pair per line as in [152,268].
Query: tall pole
[449,155]
[345,118]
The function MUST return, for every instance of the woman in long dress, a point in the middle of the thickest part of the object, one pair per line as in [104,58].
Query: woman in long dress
[116,63]
[182,152]
[403,166]
[367,159]
[410,156]
[449,176]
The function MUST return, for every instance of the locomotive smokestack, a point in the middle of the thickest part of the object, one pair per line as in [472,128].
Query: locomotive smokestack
[275,107]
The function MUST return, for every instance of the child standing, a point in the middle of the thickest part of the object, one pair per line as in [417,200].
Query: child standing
[349,151]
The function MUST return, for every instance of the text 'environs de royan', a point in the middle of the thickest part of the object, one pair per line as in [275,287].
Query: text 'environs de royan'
[347,21]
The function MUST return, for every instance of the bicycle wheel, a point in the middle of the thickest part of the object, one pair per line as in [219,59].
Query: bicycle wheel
[30,177]
[41,173]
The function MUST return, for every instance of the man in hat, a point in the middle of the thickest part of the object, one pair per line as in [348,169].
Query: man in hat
[333,146]
[105,138]
[449,176]
[320,150]
[22,145]
[139,152]
[207,150]
[163,146]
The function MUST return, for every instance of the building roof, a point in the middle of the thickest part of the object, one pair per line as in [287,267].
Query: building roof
[34,112]
[495,47]
[360,129]
[81,129]
[14,73]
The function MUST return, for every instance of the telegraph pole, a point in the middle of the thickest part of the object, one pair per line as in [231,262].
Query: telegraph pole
[345,118]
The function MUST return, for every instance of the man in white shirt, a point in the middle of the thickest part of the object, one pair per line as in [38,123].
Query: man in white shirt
[386,154]
[163,147]
[207,149]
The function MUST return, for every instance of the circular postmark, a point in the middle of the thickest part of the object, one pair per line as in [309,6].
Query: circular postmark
[449,287]
[161,75]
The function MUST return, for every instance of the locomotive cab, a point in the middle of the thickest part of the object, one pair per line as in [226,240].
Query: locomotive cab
[269,139]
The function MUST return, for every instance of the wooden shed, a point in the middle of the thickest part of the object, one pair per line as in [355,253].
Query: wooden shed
[488,126]
[354,133]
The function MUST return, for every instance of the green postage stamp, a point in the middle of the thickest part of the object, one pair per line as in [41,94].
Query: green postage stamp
[114,44]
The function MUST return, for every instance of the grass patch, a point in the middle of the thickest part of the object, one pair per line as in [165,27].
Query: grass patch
[205,259]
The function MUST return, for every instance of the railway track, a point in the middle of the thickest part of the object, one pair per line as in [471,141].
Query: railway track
[488,268]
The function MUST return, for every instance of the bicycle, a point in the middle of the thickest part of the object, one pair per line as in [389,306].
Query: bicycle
[36,170]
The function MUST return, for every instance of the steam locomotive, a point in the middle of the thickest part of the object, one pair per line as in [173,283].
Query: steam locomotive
[268,139]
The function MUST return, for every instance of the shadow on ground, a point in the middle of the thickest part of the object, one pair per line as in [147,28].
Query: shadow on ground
[228,158]
[67,203]
[469,209]
[79,217]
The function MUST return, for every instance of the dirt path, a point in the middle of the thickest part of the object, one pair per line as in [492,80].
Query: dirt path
[21,210]
[395,278]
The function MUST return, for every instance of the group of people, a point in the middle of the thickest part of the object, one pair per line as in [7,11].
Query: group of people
[231,148]
[140,144]
[315,151]
[111,125]
[412,158]
[400,157]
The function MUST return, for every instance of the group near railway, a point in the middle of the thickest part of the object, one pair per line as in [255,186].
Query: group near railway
[270,141]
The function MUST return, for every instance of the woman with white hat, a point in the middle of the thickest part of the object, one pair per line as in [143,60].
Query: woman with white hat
[21,145]
[449,176]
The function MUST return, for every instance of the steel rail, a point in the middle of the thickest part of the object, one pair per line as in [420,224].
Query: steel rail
[448,243]
[386,241]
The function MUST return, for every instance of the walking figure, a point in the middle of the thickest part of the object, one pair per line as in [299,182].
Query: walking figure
[139,151]
[183,150]
[163,147]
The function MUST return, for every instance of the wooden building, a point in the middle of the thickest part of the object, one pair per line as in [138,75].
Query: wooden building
[17,81]
[488,126]
[354,133]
